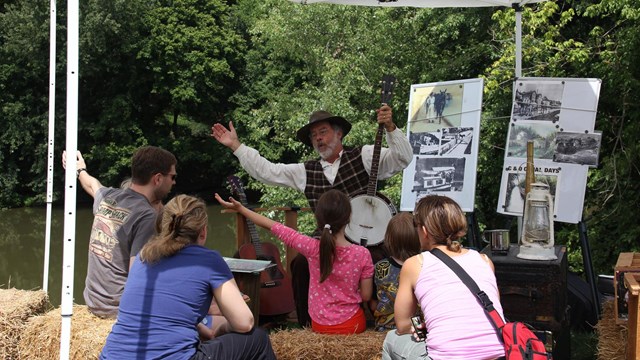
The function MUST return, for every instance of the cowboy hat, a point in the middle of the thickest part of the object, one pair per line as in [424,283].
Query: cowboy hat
[318,116]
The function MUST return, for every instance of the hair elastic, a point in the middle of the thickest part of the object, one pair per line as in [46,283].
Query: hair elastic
[328,227]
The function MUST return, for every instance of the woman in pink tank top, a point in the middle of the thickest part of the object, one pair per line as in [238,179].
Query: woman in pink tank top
[456,325]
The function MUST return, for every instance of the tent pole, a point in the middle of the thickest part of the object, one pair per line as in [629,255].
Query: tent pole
[518,9]
[50,148]
[70,179]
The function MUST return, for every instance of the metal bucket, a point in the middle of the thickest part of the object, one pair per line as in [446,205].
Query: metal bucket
[498,240]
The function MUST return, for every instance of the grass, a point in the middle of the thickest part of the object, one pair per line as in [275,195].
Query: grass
[584,345]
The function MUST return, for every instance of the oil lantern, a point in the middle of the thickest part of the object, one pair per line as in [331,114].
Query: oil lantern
[536,242]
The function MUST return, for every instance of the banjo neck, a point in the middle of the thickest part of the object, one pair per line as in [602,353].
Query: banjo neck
[371,212]
[386,93]
[372,187]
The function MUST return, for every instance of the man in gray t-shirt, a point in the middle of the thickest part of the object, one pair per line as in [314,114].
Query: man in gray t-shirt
[124,220]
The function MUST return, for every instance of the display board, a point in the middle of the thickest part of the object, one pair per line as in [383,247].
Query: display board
[443,129]
[558,115]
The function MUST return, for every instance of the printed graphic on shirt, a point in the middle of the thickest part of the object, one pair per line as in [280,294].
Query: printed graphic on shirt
[109,218]
[386,280]
[382,270]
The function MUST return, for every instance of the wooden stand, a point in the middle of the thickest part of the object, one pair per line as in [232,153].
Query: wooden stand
[632,283]
[627,263]
[249,284]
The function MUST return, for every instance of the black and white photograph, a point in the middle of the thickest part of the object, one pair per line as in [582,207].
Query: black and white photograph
[513,199]
[537,101]
[425,143]
[456,141]
[436,107]
[577,148]
[439,174]
[542,134]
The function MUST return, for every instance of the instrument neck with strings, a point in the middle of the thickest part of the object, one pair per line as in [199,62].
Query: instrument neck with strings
[372,211]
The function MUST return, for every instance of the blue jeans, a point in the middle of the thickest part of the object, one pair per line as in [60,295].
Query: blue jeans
[403,347]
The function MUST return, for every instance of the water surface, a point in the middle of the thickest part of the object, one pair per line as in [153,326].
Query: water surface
[22,244]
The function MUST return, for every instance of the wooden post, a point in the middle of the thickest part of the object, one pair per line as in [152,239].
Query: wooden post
[290,220]
[242,233]
[530,175]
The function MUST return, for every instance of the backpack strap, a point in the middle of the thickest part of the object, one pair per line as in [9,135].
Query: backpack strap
[481,296]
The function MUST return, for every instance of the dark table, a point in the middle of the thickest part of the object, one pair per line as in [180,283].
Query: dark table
[535,292]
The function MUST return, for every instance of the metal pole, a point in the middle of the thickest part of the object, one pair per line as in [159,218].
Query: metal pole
[473,231]
[518,9]
[70,179]
[50,149]
[588,267]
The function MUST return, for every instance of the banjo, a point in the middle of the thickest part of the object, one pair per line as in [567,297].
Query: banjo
[371,211]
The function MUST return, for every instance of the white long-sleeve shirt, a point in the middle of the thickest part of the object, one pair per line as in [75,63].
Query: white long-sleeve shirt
[392,159]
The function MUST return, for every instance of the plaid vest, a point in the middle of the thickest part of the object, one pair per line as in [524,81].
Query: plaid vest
[352,178]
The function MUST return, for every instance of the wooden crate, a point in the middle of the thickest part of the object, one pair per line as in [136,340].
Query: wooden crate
[627,262]
[632,283]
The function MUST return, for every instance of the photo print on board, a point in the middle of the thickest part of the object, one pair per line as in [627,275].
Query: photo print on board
[425,143]
[514,196]
[456,141]
[438,175]
[577,148]
[436,107]
[537,101]
[542,134]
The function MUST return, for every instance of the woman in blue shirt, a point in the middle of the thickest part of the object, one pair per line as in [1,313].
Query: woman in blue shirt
[169,290]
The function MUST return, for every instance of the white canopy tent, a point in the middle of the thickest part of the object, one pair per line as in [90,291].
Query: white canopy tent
[516,4]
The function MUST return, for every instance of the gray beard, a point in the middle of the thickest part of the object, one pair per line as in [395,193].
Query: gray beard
[328,151]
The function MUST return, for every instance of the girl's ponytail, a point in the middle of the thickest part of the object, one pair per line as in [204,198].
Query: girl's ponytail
[327,252]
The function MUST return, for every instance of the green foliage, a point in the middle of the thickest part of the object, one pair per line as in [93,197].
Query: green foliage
[189,51]
[139,61]
[23,104]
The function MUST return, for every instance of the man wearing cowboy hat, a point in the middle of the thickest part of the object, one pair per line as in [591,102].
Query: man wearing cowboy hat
[344,169]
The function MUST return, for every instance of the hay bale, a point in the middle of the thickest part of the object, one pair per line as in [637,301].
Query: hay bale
[612,338]
[88,335]
[296,344]
[16,306]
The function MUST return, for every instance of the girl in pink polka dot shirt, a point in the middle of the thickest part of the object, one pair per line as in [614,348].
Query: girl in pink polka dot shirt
[341,273]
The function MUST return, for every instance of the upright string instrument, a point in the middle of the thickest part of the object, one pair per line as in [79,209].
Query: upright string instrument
[370,210]
[276,293]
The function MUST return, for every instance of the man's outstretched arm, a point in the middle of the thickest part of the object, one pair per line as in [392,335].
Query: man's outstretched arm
[88,182]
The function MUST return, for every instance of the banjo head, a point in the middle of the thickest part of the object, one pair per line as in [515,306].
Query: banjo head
[370,216]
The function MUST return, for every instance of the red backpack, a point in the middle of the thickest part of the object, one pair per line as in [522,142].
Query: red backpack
[520,343]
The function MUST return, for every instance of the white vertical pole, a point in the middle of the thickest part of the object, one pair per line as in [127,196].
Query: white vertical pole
[69,237]
[518,10]
[50,150]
